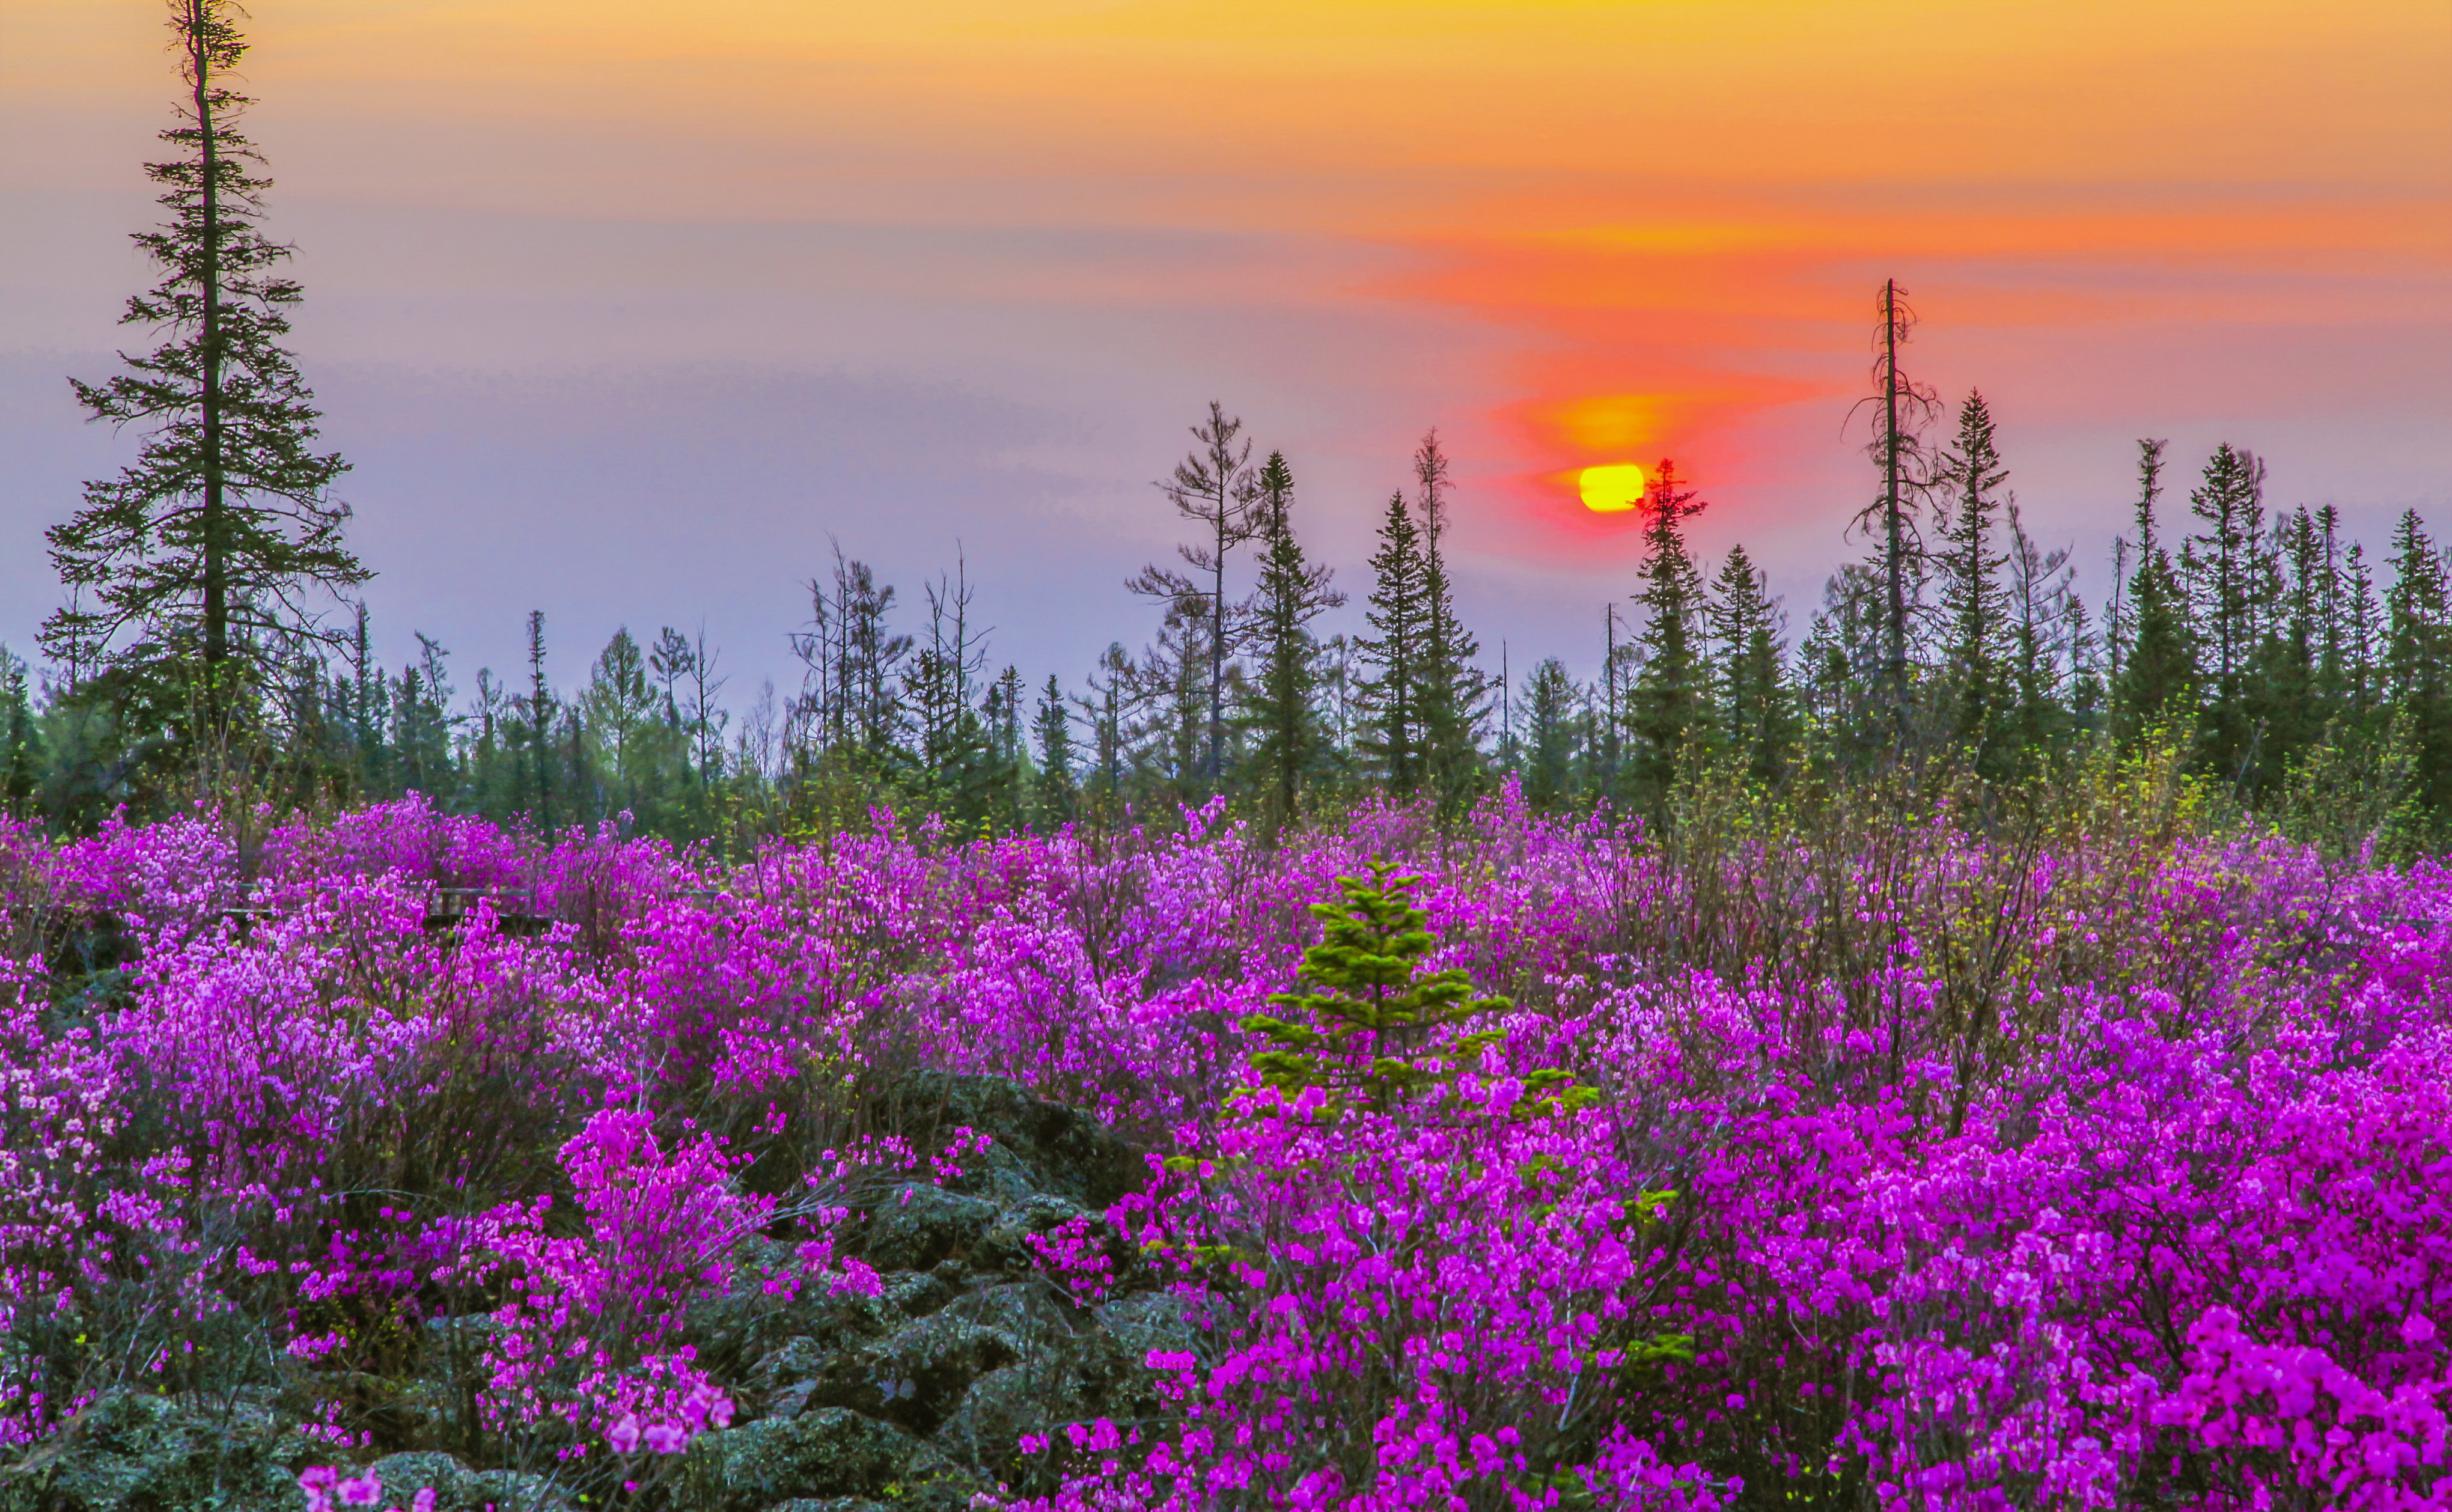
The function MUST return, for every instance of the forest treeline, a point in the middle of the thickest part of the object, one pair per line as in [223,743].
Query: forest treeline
[196,654]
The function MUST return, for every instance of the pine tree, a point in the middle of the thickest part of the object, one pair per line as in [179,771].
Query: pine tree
[205,552]
[423,722]
[1004,788]
[702,717]
[540,714]
[1108,709]
[21,739]
[850,706]
[1619,660]
[365,700]
[669,660]
[1451,693]
[1400,649]
[951,758]
[1214,488]
[2361,639]
[1166,740]
[2046,647]
[2228,576]
[2332,614]
[1670,692]
[1841,663]
[2418,655]
[618,711]
[1549,743]
[1368,1028]
[1293,593]
[1053,795]
[2158,679]
[1756,713]
[1970,586]
[2292,677]
[1903,407]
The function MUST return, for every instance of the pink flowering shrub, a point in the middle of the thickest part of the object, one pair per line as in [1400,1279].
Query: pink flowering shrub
[1808,1160]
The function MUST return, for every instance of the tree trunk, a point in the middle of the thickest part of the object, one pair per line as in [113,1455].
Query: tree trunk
[215,548]
[1898,625]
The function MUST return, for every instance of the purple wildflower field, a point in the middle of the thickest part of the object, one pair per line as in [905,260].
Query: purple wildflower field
[2096,1164]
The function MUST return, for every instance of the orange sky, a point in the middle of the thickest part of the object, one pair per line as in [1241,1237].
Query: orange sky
[1567,231]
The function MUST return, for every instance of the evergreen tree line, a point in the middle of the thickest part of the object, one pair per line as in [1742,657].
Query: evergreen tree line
[2257,639]
[189,661]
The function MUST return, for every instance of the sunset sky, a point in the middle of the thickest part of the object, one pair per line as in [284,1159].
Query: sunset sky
[623,310]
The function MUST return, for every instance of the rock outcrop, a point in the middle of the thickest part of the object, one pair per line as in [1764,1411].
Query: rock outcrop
[916,1398]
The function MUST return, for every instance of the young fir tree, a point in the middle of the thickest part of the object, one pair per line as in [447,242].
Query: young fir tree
[1973,614]
[1756,716]
[1398,648]
[1452,694]
[2157,677]
[1670,692]
[1283,706]
[192,575]
[1373,1029]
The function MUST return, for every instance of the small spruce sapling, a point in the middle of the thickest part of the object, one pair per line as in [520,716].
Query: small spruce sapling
[1369,1018]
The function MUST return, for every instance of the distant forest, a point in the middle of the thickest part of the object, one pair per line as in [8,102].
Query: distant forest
[196,655]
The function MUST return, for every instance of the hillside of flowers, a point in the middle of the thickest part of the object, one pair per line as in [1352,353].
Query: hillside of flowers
[2084,1157]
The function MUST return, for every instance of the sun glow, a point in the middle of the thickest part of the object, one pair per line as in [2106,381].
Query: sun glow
[1612,488]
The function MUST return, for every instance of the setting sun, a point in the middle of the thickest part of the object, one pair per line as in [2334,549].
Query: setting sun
[1612,488]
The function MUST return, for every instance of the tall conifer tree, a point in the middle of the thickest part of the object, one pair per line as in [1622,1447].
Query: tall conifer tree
[1756,713]
[1214,488]
[539,723]
[21,739]
[1549,743]
[1284,714]
[2044,646]
[2157,677]
[1670,692]
[1973,614]
[1052,728]
[1398,648]
[1903,407]
[2228,577]
[1452,692]
[2417,655]
[205,555]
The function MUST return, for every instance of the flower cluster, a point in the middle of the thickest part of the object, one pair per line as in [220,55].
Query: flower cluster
[1917,1165]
